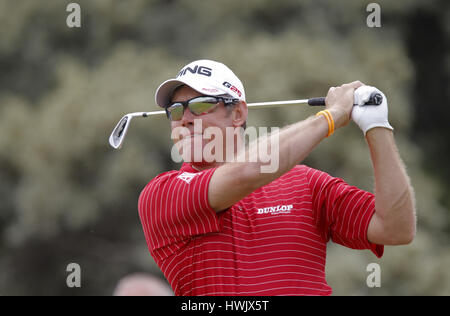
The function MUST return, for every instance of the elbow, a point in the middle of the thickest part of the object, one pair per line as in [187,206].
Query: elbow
[402,233]
[410,234]
[399,238]
[406,238]
[400,224]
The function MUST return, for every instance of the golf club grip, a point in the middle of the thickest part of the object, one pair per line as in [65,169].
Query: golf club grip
[316,101]
[375,99]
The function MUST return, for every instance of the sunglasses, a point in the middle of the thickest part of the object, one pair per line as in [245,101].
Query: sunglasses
[197,106]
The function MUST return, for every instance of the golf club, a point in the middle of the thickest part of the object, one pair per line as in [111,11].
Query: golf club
[119,132]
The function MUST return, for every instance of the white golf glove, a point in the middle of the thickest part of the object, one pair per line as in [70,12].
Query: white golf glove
[369,116]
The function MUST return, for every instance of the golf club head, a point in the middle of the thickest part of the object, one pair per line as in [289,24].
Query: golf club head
[118,134]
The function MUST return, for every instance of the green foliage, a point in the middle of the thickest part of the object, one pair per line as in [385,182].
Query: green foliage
[68,197]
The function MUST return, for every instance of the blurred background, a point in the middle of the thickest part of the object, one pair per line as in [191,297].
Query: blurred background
[67,197]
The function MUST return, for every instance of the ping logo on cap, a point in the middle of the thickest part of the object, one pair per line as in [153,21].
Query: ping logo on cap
[200,70]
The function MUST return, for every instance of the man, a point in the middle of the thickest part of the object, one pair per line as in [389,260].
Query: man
[226,228]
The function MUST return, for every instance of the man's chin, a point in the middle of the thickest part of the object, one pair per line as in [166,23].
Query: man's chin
[195,154]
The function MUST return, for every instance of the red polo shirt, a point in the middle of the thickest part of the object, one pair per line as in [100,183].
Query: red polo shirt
[272,242]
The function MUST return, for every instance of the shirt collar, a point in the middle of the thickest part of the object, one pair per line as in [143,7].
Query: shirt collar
[187,167]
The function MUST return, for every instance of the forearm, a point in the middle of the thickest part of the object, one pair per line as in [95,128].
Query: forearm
[239,179]
[394,197]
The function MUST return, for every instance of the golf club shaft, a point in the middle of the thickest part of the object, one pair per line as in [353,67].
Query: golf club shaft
[117,136]
[312,102]
[276,103]
[258,105]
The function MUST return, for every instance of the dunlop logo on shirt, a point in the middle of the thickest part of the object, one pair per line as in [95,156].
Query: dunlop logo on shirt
[279,209]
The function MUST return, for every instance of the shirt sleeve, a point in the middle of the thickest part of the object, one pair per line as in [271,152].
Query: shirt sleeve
[174,207]
[342,212]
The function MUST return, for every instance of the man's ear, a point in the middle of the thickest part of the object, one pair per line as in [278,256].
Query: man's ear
[239,114]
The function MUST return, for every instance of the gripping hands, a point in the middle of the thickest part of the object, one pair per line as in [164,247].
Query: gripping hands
[368,117]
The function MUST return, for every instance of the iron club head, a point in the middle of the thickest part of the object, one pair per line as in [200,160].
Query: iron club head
[117,136]
[119,132]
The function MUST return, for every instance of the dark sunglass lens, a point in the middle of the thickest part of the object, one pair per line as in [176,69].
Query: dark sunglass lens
[202,105]
[176,112]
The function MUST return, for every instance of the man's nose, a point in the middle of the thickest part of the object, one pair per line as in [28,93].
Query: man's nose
[188,118]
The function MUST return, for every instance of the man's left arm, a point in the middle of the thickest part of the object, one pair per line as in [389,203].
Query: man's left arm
[394,221]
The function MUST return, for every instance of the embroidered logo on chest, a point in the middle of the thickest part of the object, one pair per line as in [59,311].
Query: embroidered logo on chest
[187,176]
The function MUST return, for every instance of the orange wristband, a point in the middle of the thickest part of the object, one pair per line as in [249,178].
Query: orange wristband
[330,121]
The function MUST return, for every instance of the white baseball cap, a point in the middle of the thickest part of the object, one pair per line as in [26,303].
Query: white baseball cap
[205,76]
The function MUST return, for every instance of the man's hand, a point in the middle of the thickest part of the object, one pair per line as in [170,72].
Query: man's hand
[368,117]
[339,101]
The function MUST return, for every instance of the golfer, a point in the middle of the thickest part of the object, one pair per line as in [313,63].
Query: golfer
[226,228]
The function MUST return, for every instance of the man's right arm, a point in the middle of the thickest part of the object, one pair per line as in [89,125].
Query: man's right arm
[233,181]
